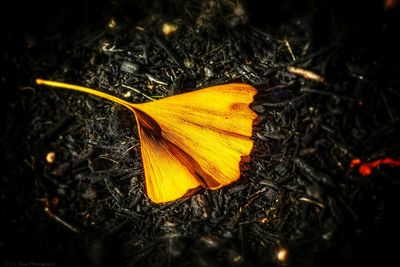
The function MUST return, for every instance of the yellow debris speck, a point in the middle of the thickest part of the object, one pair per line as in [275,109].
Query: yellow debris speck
[51,157]
[169,28]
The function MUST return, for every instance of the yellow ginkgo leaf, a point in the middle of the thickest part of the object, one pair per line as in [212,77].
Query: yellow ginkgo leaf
[191,140]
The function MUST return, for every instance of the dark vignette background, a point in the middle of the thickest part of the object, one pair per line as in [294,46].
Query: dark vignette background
[26,238]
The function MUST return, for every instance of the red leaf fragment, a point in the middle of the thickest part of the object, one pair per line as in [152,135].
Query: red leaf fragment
[365,169]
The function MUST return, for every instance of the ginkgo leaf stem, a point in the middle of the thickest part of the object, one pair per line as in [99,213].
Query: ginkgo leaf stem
[87,90]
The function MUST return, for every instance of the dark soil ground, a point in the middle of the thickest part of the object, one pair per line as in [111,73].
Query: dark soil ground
[298,193]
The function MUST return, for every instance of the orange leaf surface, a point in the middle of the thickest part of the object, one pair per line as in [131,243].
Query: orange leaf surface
[191,140]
